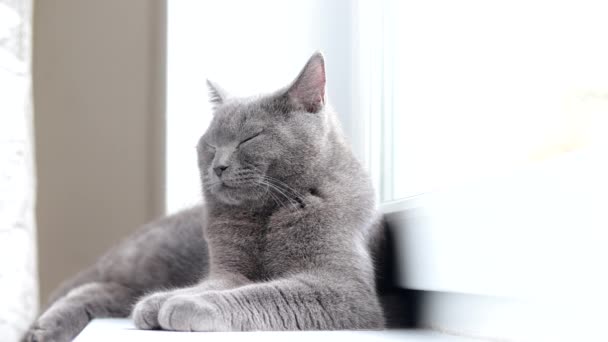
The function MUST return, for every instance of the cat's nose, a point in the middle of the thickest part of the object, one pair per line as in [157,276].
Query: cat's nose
[219,169]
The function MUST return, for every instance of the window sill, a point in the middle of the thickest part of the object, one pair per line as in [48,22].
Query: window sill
[118,330]
[512,256]
[536,232]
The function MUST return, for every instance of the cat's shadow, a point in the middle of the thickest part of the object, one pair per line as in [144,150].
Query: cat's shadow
[401,306]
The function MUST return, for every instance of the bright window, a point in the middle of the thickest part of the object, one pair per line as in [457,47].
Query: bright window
[477,88]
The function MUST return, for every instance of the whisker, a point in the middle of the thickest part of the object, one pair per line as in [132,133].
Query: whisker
[279,190]
[277,200]
[295,192]
[278,181]
[286,187]
[292,202]
[211,183]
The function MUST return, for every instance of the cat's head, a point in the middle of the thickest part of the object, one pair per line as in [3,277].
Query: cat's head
[254,144]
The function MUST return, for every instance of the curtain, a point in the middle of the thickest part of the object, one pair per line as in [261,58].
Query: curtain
[18,280]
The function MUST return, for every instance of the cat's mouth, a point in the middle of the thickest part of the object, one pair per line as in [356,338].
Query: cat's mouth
[235,192]
[235,188]
[233,185]
[224,185]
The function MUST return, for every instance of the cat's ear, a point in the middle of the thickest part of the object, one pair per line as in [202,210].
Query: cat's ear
[308,89]
[217,95]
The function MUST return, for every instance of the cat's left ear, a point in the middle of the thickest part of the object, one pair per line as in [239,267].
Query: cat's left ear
[308,89]
[217,95]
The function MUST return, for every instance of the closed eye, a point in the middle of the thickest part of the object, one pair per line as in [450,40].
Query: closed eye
[209,146]
[251,137]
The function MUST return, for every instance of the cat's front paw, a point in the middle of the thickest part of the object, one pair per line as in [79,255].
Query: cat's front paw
[190,313]
[48,334]
[145,312]
[36,334]
[60,324]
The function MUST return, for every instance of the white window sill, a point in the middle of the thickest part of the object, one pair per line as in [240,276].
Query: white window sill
[118,330]
[512,256]
[534,234]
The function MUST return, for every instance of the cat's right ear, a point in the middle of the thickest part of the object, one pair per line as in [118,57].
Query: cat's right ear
[217,95]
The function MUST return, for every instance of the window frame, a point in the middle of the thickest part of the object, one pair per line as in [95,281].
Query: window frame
[417,221]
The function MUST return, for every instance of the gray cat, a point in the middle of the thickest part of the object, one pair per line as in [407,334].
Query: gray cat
[284,240]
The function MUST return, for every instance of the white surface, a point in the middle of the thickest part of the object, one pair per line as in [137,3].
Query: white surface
[529,247]
[540,232]
[509,319]
[18,280]
[119,330]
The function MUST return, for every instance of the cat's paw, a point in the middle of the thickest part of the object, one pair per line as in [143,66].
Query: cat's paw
[39,334]
[145,312]
[190,313]
[57,325]
[36,334]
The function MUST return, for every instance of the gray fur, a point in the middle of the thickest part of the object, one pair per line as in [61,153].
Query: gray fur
[281,243]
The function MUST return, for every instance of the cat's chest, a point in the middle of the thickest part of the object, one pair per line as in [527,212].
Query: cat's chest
[287,246]
[262,249]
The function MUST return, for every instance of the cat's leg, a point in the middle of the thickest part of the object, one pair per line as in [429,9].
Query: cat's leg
[170,252]
[145,312]
[72,312]
[301,302]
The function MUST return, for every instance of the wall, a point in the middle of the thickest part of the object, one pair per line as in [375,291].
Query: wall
[99,103]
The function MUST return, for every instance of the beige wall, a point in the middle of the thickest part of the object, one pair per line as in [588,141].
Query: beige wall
[99,104]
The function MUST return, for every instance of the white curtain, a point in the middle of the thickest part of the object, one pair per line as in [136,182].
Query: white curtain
[18,279]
